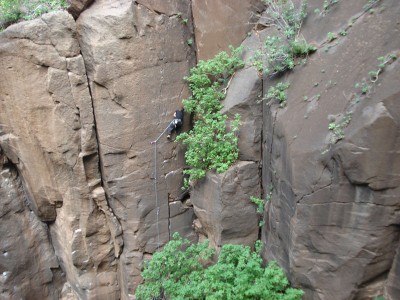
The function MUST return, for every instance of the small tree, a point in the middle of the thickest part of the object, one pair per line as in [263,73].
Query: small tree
[238,274]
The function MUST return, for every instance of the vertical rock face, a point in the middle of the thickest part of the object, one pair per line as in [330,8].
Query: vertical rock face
[220,23]
[136,55]
[29,268]
[222,205]
[333,220]
[47,131]
[222,201]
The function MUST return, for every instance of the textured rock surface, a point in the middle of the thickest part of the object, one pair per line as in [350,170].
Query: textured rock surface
[136,56]
[47,131]
[244,97]
[86,168]
[333,220]
[222,204]
[222,201]
[220,23]
[29,268]
[76,7]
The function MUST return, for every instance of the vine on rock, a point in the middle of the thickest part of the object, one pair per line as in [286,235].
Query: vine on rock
[210,145]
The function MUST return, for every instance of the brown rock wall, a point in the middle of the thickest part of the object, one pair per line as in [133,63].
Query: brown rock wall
[223,208]
[29,267]
[332,222]
[47,130]
[220,23]
[136,56]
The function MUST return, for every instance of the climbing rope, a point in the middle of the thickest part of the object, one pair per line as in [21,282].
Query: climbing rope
[156,191]
[155,184]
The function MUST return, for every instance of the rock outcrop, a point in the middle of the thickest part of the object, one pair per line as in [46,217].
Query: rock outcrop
[222,205]
[136,55]
[27,260]
[222,201]
[48,133]
[333,220]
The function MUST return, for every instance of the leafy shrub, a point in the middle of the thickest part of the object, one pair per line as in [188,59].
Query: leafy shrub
[211,146]
[282,49]
[11,11]
[176,273]
[259,203]
[278,92]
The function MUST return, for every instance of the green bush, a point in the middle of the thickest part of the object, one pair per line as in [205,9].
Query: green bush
[12,11]
[278,92]
[281,50]
[210,145]
[180,272]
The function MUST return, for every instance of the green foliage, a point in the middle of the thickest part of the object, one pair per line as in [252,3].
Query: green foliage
[211,146]
[364,86]
[286,16]
[257,60]
[184,21]
[331,36]
[328,4]
[11,11]
[370,4]
[338,128]
[282,50]
[383,61]
[278,92]
[179,274]
[259,203]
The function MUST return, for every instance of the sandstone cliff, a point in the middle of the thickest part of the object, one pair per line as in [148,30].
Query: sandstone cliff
[85,197]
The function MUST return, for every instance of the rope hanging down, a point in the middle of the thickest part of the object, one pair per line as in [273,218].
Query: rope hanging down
[155,184]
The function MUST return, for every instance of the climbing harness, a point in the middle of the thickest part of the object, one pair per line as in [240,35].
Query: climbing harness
[155,183]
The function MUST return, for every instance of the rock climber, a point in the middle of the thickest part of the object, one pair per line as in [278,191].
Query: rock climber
[176,123]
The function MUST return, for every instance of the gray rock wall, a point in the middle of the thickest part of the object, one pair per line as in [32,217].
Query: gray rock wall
[333,219]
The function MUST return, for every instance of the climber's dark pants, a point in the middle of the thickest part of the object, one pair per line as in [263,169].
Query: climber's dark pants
[177,126]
